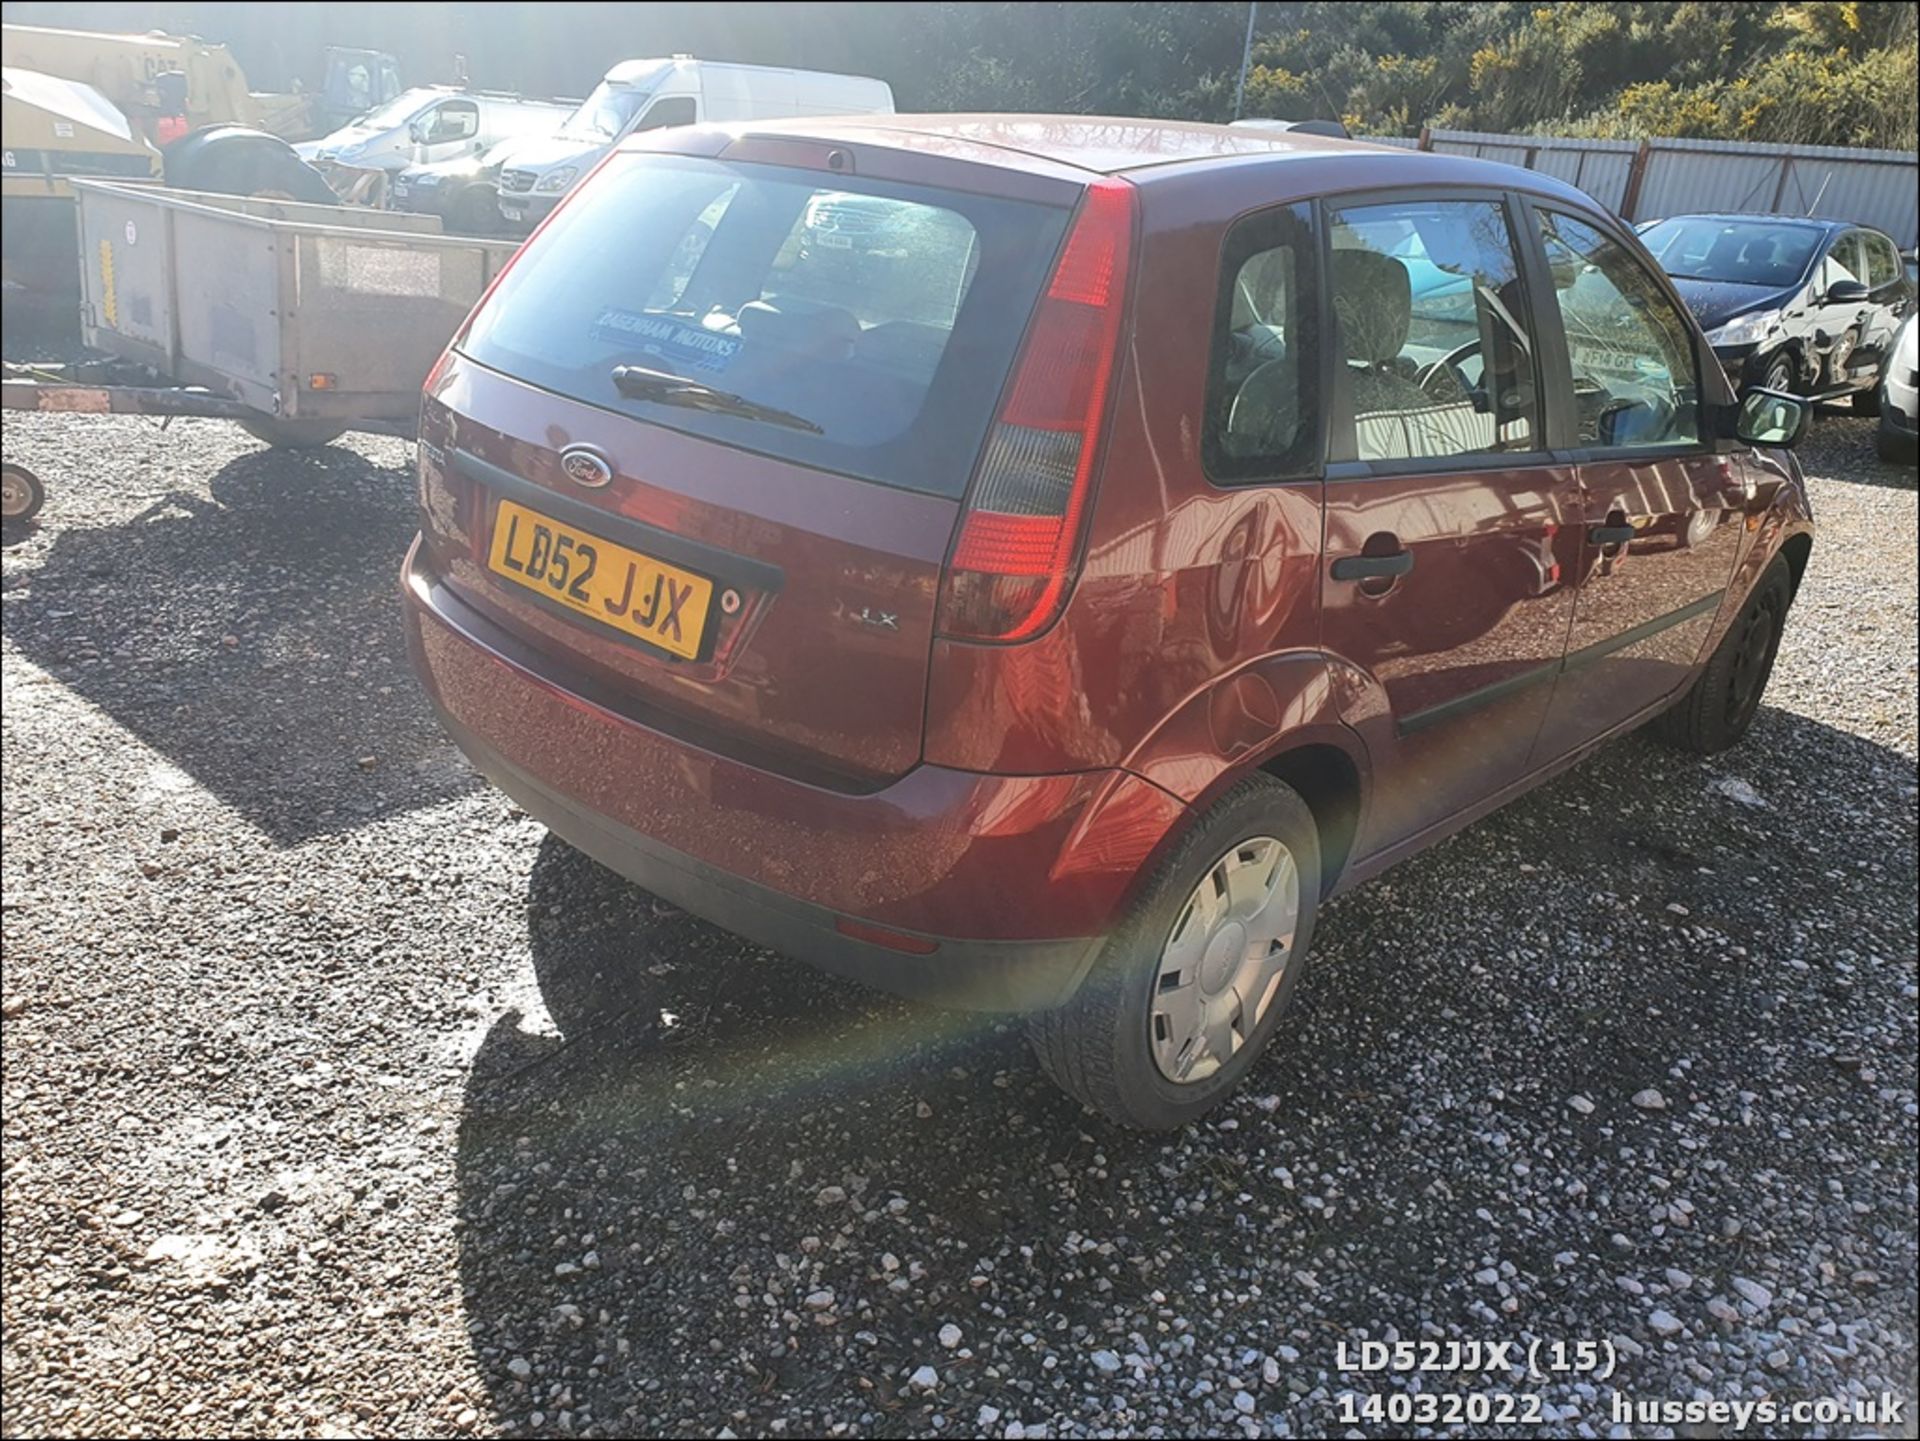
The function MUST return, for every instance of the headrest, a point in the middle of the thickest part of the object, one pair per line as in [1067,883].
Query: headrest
[826,330]
[1262,281]
[1373,299]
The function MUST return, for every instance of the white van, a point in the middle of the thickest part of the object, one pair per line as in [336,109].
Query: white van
[431,123]
[649,94]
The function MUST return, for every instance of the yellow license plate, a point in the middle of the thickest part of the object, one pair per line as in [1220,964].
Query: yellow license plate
[637,595]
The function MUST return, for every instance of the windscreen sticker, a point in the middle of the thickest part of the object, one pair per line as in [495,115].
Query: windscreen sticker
[688,346]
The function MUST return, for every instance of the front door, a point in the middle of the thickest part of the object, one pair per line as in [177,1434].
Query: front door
[1664,515]
[1449,531]
[1843,324]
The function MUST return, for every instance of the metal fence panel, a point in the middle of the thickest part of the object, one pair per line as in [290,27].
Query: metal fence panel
[1869,187]
[1681,181]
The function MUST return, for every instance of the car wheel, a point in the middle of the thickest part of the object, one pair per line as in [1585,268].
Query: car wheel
[1867,402]
[292,434]
[1891,443]
[1782,374]
[1720,706]
[1186,994]
[476,212]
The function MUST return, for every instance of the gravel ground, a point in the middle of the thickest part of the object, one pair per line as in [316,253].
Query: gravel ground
[340,1100]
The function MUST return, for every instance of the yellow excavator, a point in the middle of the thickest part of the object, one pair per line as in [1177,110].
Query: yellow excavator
[149,108]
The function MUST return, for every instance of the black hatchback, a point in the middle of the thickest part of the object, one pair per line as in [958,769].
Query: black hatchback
[1807,306]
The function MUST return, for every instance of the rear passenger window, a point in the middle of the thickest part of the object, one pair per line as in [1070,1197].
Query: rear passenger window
[1631,353]
[1883,263]
[1262,421]
[1433,330]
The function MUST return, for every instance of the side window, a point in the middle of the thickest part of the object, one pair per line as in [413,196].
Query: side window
[1841,263]
[1262,375]
[1631,351]
[454,120]
[1432,330]
[1883,262]
[674,110]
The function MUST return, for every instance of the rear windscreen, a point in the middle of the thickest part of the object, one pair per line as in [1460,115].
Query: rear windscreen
[859,326]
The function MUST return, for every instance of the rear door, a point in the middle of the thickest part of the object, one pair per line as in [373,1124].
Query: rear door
[1889,294]
[1665,514]
[713,477]
[1447,522]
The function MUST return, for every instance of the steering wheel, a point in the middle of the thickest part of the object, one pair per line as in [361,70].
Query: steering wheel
[1269,394]
[1449,367]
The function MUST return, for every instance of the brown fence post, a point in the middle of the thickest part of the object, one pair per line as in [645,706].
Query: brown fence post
[1426,138]
[1636,176]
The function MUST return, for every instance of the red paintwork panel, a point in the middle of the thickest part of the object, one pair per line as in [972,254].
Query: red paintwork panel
[1487,603]
[949,853]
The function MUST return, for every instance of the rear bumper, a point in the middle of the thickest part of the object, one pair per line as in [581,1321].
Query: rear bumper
[1900,402]
[1009,883]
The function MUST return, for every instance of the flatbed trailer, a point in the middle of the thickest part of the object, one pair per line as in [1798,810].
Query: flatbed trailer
[298,322]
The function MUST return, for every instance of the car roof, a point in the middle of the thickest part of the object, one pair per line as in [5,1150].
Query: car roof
[1809,222]
[1096,144]
[1075,147]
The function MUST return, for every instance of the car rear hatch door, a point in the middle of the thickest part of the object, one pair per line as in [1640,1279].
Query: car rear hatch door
[709,465]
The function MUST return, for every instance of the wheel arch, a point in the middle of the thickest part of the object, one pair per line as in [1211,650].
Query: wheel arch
[1328,780]
[1797,549]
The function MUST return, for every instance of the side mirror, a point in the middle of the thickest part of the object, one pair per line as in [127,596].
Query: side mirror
[1625,421]
[1847,292]
[1772,417]
[420,132]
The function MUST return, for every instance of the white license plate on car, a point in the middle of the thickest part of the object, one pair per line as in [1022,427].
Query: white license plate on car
[837,242]
[512,211]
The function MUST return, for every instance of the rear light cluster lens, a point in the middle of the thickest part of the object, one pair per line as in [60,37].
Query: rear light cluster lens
[1014,558]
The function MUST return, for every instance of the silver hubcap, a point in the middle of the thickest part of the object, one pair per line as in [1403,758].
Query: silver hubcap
[15,494]
[1224,962]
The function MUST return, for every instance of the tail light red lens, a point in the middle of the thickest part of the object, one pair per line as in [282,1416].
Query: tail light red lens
[1014,558]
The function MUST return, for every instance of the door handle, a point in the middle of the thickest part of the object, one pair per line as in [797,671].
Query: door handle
[1373,567]
[1611,535]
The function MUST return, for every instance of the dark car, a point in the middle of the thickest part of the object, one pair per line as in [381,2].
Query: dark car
[462,191]
[1808,306]
[1202,522]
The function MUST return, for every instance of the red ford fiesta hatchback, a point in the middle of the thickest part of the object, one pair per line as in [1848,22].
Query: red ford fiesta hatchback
[1030,563]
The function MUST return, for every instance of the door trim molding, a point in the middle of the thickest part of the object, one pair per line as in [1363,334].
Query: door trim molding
[1600,649]
[1473,700]
[1486,695]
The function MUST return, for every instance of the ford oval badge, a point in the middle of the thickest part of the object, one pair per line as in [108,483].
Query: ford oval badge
[585,467]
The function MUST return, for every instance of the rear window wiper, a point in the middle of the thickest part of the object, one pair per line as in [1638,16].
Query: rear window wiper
[639,383]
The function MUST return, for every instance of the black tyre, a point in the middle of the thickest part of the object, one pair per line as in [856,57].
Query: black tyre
[475,211]
[233,160]
[1894,444]
[1186,994]
[292,434]
[21,494]
[1782,374]
[1718,709]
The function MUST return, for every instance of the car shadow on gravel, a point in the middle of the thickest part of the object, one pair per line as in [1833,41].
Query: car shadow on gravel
[659,1190]
[254,642]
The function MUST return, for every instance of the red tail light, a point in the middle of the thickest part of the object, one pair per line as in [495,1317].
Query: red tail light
[1013,562]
